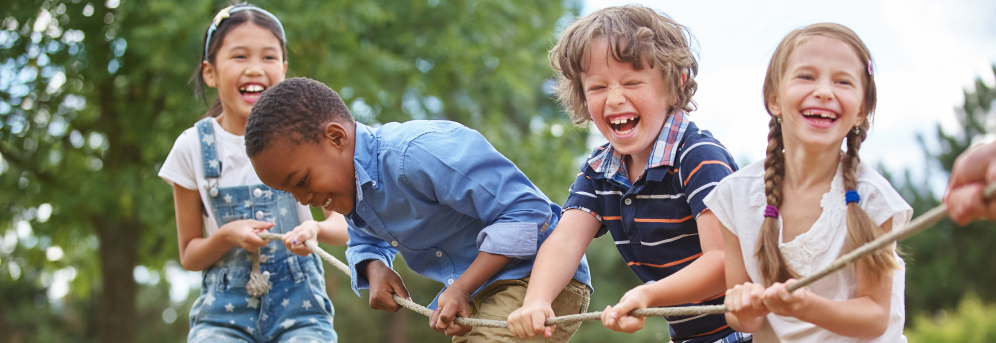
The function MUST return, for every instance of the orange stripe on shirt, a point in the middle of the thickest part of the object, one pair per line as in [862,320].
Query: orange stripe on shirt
[666,264]
[613,218]
[648,220]
[700,166]
[712,332]
[717,296]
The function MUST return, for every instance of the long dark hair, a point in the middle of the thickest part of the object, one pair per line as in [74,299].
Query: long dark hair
[218,36]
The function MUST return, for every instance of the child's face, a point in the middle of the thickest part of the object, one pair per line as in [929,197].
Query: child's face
[821,94]
[628,106]
[249,61]
[317,174]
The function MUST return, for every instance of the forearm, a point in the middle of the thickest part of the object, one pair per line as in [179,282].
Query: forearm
[860,317]
[748,326]
[555,265]
[332,230]
[483,268]
[200,253]
[700,280]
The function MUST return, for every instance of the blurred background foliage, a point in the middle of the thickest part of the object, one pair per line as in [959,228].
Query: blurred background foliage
[93,95]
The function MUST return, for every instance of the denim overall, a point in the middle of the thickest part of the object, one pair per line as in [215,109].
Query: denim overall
[295,309]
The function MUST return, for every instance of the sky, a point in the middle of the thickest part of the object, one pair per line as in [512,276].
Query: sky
[925,54]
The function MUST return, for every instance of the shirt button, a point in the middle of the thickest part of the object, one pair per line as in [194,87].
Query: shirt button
[449,282]
[257,192]
[628,201]
[259,215]
[439,254]
[394,243]
[373,183]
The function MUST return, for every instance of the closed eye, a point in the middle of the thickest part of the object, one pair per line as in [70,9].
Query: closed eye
[302,182]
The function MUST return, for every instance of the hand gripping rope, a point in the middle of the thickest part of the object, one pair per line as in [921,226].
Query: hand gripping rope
[921,223]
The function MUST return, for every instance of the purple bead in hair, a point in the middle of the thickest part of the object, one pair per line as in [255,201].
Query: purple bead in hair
[771,211]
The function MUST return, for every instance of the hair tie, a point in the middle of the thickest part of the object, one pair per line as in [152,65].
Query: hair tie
[771,211]
[227,12]
[852,196]
[870,69]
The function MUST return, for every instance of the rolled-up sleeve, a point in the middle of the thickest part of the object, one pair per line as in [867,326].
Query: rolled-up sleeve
[362,247]
[460,169]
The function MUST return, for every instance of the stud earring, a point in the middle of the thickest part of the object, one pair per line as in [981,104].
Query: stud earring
[857,130]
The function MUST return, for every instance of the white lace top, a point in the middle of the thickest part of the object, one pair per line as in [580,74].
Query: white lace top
[739,202]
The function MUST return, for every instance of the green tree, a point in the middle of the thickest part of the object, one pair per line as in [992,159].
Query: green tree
[93,95]
[947,262]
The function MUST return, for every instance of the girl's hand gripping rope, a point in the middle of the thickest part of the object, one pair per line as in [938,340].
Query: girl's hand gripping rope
[244,233]
[746,303]
[384,282]
[294,240]
[784,303]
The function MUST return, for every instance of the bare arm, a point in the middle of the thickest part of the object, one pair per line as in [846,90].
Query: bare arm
[198,252]
[743,298]
[333,229]
[555,265]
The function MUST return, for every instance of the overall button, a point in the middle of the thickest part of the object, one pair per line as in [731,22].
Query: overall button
[439,254]
[628,201]
[213,191]
[257,192]
[259,215]
[394,243]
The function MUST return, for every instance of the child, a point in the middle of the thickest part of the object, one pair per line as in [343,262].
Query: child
[214,184]
[807,203]
[458,211]
[631,72]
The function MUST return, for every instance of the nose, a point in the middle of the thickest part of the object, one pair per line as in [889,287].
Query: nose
[254,69]
[824,90]
[615,96]
[303,199]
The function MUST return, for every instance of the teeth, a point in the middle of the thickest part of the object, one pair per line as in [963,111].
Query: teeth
[619,121]
[251,88]
[327,203]
[822,114]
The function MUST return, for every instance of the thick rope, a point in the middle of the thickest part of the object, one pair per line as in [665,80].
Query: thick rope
[259,283]
[921,223]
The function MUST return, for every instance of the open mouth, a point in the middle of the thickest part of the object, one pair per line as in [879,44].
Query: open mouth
[328,203]
[819,116]
[250,92]
[624,125]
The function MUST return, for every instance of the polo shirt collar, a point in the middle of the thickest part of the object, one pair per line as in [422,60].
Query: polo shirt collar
[609,161]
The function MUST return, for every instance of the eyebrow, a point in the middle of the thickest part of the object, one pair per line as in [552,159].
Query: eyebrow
[287,180]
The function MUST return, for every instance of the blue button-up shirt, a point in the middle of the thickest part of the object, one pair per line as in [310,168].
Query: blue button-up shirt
[439,193]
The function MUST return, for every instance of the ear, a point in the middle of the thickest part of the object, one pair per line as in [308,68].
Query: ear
[774,108]
[285,68]
[336,135]
[207,72]
[684,77]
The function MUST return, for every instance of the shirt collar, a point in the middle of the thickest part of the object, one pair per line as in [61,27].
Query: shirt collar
[609,161]
[365,158]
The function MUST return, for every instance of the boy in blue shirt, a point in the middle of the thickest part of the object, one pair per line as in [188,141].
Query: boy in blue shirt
[435,191]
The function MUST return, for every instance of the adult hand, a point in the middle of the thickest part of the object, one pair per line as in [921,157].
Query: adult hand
[617,318]
[972,170]
[245,233]
[452,303]
[384,282]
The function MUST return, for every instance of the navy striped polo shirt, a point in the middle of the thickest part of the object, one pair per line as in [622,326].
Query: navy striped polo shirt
[652,221]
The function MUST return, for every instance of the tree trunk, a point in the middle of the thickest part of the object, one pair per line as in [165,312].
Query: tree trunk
[116,309]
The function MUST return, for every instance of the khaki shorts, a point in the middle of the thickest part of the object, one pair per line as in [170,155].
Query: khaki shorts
[503,297]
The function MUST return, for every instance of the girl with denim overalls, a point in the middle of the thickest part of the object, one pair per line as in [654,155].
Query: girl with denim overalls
[221,205]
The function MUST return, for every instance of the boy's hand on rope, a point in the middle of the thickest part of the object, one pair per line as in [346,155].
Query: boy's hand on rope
[384,281]
[244,233]
[528,320]
[452,303]
[746,302]
[778,299]
[294,240]
[973,169]
[617,318]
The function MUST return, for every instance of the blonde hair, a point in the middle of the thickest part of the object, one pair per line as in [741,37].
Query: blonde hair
[860,228]
[634,33]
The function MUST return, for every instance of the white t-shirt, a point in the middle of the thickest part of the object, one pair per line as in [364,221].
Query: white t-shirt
[739,201]
[184,167]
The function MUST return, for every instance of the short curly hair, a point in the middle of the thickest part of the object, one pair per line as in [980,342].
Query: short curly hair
[635,33]
[296,109]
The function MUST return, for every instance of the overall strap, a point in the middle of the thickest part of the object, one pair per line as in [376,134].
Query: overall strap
[209,152]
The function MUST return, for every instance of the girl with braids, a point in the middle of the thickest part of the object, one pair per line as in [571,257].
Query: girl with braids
[807,203]
[221,205]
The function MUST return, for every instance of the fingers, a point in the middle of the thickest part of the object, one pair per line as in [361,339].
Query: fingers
[434,321]
[454,329]
[538,320]
[609,319]
[965,203]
